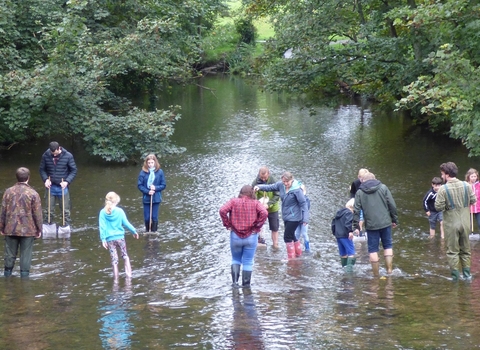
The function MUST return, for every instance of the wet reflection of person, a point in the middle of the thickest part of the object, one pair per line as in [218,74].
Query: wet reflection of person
[116,327]
[246,329]
[243,217]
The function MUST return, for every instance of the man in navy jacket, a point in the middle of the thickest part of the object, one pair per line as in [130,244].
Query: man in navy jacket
[58,169]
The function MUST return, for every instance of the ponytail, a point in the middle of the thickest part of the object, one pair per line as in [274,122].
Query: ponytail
[111,201]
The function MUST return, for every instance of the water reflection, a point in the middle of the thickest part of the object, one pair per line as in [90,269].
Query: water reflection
[116,328]
[246,329]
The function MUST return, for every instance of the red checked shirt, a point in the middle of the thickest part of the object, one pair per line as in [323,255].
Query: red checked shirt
[243,216]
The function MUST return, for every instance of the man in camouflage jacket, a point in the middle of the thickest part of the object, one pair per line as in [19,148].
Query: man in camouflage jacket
[20,222]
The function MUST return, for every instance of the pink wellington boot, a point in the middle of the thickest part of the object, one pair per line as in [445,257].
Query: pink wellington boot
[298,248]
[290,250]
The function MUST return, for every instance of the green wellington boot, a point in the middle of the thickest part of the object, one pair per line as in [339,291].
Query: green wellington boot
[350,263]
[466,273]
[455,275]
[343,261]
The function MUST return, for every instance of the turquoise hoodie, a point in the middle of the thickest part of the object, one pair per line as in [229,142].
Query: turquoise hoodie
[111,225]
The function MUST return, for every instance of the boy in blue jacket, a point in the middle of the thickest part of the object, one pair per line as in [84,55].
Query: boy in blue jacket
[342,230]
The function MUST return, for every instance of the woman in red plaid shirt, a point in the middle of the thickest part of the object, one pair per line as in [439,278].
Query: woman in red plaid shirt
[244,217]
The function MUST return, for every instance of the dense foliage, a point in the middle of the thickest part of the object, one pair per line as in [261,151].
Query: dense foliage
[63,64]
[421,54]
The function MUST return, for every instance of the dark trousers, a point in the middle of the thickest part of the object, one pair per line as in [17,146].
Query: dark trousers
[289,234]
[12,243]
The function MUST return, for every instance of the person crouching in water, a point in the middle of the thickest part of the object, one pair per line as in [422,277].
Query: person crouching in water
[111,222]
[342,230]
[243,217]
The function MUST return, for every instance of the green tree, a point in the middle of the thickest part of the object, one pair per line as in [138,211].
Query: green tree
[65,63]
[378,47]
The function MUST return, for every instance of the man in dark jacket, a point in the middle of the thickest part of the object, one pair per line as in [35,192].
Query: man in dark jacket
[380,215]
[58,169]
[20,222]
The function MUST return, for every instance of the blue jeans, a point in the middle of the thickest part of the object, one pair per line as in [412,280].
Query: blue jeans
[243,250]
[345,246]
[155,210]
[302,231]
[375,236]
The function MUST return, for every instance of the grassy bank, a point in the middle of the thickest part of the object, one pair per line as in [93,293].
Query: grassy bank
[223,42]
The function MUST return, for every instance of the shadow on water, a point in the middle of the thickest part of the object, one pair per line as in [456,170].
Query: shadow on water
[180,294]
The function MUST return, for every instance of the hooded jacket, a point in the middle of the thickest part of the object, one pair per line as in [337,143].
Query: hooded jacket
[111,225]
[342,223]
[378,205]
[294,204]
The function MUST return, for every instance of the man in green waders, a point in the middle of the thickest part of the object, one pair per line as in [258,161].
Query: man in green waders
[454,200]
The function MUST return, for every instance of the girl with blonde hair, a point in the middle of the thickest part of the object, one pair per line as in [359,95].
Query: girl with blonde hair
[111,222]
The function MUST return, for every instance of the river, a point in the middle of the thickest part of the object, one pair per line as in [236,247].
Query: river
[180,295]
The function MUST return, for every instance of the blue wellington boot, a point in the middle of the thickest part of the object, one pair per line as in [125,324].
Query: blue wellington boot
[307,247]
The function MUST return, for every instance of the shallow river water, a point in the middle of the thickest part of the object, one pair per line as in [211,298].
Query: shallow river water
[180,295]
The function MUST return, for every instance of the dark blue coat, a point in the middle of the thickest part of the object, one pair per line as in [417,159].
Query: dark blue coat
[65,168]
[159,184]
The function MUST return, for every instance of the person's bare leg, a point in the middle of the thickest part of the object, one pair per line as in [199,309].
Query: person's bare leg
[128,267]
[432,233]
[275,239]
[115,271]
[442,233]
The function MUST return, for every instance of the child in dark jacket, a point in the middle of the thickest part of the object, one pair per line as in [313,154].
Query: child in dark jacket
[429,206]
[342,230]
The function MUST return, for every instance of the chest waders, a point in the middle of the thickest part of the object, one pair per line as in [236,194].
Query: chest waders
[457,228]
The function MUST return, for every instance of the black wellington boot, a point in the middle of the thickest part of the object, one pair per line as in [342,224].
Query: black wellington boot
[235,274]
[246,277]
[154,226]
[7,272]
[147,226]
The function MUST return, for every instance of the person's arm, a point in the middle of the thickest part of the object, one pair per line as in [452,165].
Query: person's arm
[262,215]
[302,201]
[43,169]
[353,190]
[3,214]
[269,188]
[37,214]
[72,169]
[426,198]
[472,196]
[162,183]
[102,226]
[141,183]
[356,212]
[128,225]
[225,210]
[348,224]
[440,203]
[392,207]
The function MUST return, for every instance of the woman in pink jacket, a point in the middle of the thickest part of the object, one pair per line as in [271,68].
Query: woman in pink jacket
[472,178]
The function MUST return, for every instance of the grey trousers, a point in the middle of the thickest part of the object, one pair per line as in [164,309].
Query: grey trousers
[12,243]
